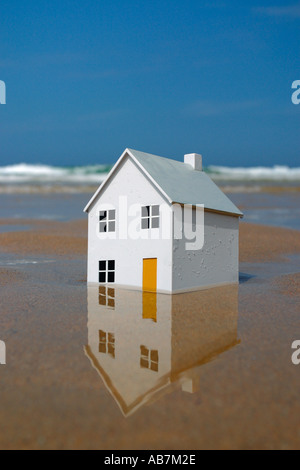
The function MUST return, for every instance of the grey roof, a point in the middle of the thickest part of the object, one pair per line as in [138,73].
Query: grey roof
[185,185]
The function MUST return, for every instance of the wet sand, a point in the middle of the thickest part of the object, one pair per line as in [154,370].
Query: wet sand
[46,238]
[239,390]
[257,242]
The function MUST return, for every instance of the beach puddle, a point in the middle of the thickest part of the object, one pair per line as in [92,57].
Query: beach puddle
[12,260]
[101,367]
[143,347]
[258,272]
[24,262]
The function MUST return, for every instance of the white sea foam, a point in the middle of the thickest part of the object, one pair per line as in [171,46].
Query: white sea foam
[25,173]
[259,173]
[94,174]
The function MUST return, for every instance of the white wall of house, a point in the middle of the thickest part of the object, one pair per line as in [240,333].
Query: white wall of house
[128,253]
[216,263]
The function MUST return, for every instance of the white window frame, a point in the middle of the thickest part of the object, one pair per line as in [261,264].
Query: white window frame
[150,216]
[107,220]
[107,270]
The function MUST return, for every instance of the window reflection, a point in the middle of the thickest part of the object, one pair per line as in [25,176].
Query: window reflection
[107,296]
[106,343]
[149,358]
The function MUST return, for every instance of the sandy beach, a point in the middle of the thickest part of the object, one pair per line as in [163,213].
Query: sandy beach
[237,391]
[113,335]
[257,242]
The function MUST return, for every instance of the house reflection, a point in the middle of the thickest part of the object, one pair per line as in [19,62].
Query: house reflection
[140,343]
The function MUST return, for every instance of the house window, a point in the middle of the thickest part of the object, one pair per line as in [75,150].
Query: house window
[106,343]
[149,358]
[107,271]
[107,296]
[150,217]
[107,221]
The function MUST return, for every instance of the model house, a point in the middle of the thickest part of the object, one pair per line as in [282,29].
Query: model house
[140,357]
[161,225]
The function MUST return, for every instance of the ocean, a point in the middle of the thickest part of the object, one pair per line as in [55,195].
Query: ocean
[266,195]
[34,178]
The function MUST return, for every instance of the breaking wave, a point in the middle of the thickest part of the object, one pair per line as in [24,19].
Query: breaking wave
[259,173]
[95,174]
[26,173]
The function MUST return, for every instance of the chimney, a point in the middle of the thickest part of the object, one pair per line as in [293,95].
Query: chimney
[195,160]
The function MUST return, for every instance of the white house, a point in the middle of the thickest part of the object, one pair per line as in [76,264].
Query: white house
[161,225]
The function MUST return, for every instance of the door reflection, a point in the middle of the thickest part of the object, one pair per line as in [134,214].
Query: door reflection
[140,343]
[150,305]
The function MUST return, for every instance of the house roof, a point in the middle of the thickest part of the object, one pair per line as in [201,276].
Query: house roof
[179,182]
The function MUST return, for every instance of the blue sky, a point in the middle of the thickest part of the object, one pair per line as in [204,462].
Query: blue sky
[87,79]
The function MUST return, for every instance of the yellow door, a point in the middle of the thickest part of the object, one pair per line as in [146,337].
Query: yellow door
[149,274]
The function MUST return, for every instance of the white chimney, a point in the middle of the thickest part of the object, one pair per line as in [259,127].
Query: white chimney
[195,160]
